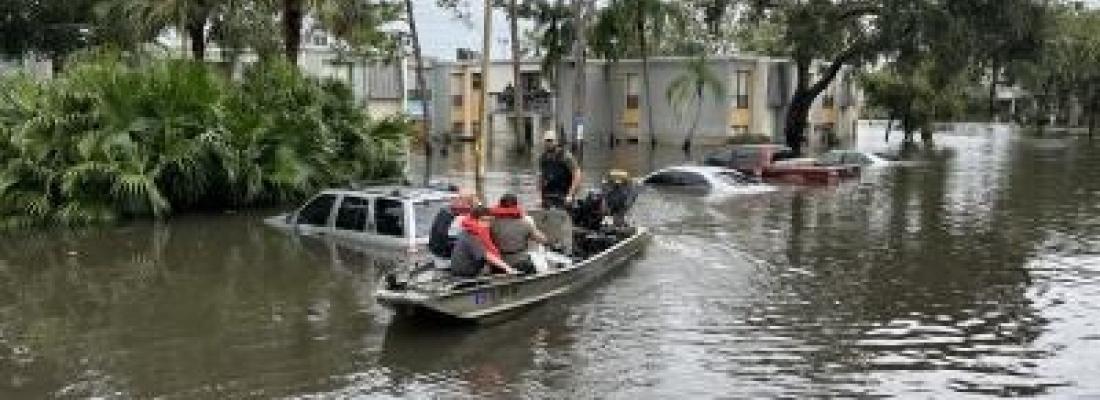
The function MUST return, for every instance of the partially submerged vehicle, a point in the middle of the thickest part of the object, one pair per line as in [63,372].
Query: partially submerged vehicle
[852,158]
[705,180]
[392,217]
[773,162]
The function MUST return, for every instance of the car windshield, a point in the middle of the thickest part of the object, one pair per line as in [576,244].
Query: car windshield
[425,212]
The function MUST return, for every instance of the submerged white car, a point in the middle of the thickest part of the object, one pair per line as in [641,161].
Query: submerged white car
[705,180]
[388,216]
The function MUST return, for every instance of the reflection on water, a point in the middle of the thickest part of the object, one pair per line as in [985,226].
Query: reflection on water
[974,271]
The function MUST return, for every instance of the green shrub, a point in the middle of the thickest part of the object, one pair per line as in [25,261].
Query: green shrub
[108,140]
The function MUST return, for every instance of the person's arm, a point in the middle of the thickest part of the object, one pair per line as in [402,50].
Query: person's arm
[577,176]
[496,261]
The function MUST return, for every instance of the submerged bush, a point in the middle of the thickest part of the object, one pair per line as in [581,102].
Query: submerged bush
[109,140]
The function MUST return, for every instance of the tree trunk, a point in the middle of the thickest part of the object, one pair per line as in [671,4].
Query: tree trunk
[640,26]
[611,102]
[799,112]
[993,92]
[292,29]
[889,126]
[197,34]
[518,122]
[422,90]
[1093,110]
[694,122]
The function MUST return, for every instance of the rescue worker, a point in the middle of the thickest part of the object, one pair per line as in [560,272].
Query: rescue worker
[512,231]
[474,253]
[559,173]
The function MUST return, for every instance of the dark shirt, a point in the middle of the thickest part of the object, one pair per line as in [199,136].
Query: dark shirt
[468,256]
[439,239]
[512,236]
[556,168]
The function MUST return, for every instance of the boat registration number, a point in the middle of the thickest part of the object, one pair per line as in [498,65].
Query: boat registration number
[493,295]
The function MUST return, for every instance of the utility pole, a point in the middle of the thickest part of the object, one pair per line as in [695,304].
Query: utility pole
[422,90]
[580,18]
[479,141]
[520,120]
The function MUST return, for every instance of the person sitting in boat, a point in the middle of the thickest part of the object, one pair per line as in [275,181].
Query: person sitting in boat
[445,226]
[619,196]
[474,253]
[512,231]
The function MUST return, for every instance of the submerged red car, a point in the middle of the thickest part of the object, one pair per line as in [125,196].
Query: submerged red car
[772,162]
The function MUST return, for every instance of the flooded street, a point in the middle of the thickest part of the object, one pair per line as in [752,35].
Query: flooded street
[972,271]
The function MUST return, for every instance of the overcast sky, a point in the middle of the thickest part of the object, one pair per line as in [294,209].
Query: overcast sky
[441,33]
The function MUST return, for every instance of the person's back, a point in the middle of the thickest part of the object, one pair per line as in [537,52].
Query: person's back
[468,256]
[474,249]
[512,236]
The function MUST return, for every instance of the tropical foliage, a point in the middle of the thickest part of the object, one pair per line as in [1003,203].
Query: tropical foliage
[687,90]
[116,138]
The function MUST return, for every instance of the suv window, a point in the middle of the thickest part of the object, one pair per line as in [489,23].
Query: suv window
[317,211]
[352,214]
[389,217]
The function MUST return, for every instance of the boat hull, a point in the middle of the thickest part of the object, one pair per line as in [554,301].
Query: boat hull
[508,294]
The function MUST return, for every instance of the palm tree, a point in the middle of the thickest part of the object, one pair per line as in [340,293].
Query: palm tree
[650,20]
[611,30]
[189,17]
[354,22]
[690,87]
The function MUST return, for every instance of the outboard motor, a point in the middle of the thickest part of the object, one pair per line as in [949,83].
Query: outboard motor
[619,196]
[588,212]
[602,214]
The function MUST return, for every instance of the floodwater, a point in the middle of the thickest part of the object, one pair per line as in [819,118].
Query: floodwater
[973,271]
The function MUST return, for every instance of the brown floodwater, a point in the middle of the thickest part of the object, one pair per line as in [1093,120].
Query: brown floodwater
[971,271]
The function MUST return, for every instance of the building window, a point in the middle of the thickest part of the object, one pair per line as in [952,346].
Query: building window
[475,128]
[633,88]
[531,81]
[458,127]
[457,100]
[475,81]
[827,98]
[741,89]
[739,130]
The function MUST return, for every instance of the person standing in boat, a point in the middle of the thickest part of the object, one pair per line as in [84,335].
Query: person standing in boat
[559,173]
[513,231]
[474,252]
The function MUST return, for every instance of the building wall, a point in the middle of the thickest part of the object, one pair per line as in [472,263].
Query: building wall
[458,115]
[768,85]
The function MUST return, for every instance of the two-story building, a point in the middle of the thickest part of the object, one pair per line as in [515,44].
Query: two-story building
[456,87]
[757,97]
